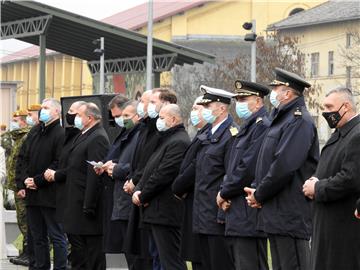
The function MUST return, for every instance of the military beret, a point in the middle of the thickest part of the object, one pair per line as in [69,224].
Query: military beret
[289,79]
[245,88]
[214,95]
[20,113]
[34,107]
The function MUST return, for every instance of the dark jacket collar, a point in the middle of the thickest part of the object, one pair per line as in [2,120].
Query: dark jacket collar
[222,128]
[130,132]
[47,128]
[172,130]
[296,103]
[252,119]
[344,130]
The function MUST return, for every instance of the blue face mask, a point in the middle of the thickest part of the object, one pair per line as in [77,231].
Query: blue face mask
[194,118]
[208,116]
[273,100]
[119,121]
[30,121]
[14,125]
[45,115]
[78,123]
[161,125]
[242,110]
[140,110]
[152,110]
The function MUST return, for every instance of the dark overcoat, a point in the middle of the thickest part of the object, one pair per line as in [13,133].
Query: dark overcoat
[83,214]
[183,187]
[336,232]
[159,174]
[44,152]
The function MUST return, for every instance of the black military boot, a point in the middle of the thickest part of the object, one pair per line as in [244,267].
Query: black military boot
[23,259]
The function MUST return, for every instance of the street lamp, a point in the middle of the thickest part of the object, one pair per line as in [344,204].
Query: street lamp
[101,52]
[251,37]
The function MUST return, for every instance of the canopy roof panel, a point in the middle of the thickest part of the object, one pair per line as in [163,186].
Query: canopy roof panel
[72,34]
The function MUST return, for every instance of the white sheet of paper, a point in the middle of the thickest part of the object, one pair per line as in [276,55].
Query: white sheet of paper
[95,164]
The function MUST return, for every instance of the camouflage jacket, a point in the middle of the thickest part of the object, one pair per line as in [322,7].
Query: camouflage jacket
[6,142]
[18,136]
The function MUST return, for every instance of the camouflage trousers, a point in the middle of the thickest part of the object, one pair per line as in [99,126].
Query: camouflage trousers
[21,216]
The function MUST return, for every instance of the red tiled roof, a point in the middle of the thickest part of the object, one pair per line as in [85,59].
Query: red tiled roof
[136,17]
[131,19]
[29,52]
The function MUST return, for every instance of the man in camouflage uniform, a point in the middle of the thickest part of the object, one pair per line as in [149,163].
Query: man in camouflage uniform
[6,141]
[18,132]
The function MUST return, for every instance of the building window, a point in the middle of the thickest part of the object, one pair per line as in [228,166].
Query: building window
[331,63]
[295,10]
[315,64]
[348,40]
[348,77]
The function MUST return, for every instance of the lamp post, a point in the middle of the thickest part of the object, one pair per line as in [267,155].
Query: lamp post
[149,57]
[101,51]
[252,38]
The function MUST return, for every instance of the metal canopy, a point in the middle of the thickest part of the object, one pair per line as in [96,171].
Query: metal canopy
[161,63]
[72,34]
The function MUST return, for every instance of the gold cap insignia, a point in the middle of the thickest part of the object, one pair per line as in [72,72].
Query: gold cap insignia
[238,85]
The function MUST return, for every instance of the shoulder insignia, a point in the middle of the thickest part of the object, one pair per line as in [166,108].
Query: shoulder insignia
[298,112]
[259,119]
[234,131]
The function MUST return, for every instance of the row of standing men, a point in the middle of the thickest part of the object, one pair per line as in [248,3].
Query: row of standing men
[215,201]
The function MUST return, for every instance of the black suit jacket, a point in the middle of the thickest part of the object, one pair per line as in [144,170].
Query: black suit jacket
[83,208]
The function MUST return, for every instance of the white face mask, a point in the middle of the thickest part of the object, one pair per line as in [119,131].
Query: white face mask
[273,99]
[140,110]
[161,125]
[152,110]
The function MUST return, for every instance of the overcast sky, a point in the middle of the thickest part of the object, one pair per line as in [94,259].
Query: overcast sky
[96,9]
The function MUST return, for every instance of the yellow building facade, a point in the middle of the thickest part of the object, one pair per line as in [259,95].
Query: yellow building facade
[324,40]
[66,75]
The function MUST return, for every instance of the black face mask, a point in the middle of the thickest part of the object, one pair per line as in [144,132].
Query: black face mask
[333,118]
[70,118]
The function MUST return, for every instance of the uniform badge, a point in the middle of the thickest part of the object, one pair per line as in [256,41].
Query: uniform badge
[258,120]
[298,112]
[234,131]
[238,85]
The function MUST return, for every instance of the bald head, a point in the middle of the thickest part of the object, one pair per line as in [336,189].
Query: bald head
[171,114]
[340,100]
[75,107]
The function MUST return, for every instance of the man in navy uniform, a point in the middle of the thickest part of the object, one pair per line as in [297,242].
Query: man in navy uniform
[248,246]
[211,161]
[289,154]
